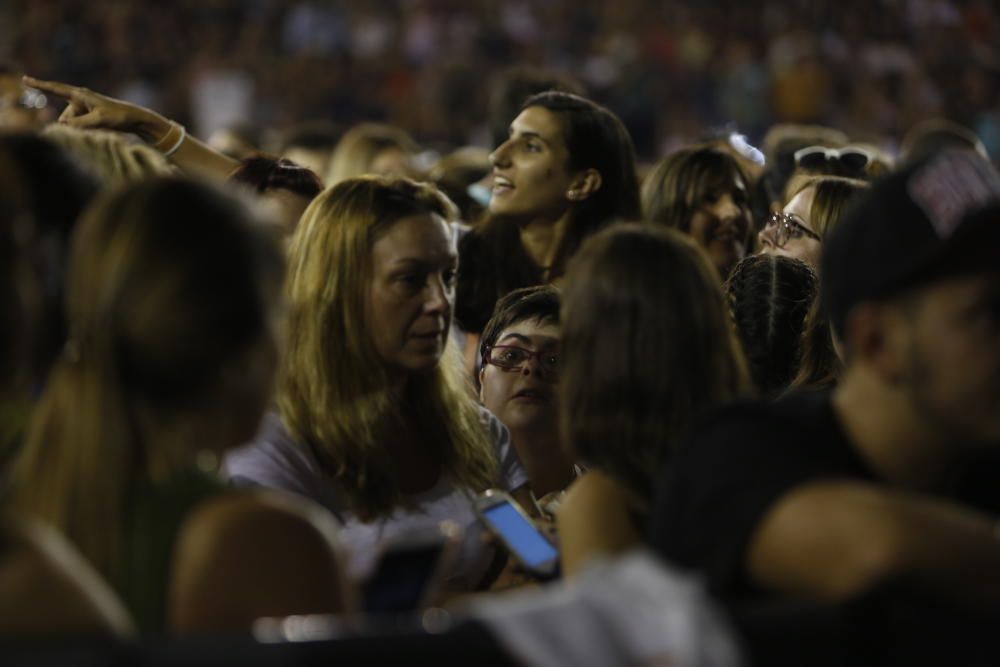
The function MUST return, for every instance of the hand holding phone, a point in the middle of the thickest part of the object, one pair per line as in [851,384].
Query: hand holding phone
[505,519]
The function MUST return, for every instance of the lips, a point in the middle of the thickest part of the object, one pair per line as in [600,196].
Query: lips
[532,395]
[502,185]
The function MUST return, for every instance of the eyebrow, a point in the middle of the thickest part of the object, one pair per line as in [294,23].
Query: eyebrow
[525,339]
[451,257]
[530,134]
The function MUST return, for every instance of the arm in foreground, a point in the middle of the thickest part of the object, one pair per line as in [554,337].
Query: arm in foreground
[831,541]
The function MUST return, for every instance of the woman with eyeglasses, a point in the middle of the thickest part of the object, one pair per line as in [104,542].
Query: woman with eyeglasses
[702,191]
[519,379]
[816,205]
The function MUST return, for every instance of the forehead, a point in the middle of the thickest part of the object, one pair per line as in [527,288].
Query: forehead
[426,238]
[712,176]
[541,331]
[801,203]
[540,121]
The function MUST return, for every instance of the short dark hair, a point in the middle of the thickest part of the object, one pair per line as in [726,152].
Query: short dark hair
[264,172]
[540,303]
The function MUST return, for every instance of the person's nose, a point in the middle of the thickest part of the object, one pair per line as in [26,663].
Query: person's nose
[766,238]
[726,208]
[439,296]
[500,157]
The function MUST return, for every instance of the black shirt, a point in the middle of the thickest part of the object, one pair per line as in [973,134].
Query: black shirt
[721,483]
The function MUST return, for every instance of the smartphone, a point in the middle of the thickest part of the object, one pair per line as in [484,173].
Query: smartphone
[410,570]
[503,517]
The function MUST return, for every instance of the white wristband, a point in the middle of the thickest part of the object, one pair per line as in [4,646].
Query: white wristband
[180,140]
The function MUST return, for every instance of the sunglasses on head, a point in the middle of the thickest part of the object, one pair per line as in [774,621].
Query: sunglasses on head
[820,157]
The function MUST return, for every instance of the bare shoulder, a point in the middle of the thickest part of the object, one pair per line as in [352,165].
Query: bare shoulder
[247,554]
[593,521]
[46,587]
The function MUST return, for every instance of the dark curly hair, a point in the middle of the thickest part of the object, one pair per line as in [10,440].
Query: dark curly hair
[769,297]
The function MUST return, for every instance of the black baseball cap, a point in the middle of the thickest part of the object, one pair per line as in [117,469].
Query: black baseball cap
[937,217]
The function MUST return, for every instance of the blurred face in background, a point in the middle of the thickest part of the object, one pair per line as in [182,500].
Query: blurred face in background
[721,225]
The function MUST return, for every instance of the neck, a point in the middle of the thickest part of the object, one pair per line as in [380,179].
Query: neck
[890,434]
[541,239]
[548,466]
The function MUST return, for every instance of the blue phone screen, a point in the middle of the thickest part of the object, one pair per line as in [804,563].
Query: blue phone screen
[522,537]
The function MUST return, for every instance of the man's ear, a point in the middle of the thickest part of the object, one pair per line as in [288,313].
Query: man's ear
[585,184]
[877,335]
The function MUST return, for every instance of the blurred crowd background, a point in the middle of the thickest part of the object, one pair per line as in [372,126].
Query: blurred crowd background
[673,71]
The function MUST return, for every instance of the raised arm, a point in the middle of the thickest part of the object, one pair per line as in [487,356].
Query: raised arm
[834,540]
[89,110]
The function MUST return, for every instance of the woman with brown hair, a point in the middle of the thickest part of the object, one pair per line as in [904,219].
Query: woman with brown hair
[702,191]
[171,303]
[647,351]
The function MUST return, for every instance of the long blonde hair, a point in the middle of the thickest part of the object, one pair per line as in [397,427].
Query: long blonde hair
[334,393]
[170,293]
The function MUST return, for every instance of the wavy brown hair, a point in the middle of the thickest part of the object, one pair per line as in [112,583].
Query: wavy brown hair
[335,393]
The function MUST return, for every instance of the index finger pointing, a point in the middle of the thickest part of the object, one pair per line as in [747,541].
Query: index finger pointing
[63,90]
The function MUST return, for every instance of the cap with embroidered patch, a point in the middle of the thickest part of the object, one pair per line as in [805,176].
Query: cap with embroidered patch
[937,217]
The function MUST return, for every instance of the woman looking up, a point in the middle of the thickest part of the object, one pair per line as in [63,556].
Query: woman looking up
[566,170]
[815,207]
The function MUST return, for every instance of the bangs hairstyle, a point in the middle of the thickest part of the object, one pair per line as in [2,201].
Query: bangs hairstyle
[536,304]
[834,194]
[647,350]
[595,139]
[684,181]
[171,292]
[335,394]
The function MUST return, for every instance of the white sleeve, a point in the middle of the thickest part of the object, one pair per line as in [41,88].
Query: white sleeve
[512,473]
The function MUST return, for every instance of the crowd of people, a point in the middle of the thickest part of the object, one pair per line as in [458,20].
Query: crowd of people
[241,385]
[671,71]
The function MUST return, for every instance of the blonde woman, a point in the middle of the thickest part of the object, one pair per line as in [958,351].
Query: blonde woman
[375,419]
[815,206]
[371,148]
[171,306]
